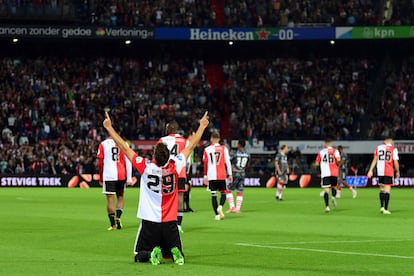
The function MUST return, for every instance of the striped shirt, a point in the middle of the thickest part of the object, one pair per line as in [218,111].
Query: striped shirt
[386,155]
[328,160]
[115,165]
[217,165]
[158,197]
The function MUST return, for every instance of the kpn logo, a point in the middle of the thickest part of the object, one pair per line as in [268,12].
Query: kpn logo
[100,31]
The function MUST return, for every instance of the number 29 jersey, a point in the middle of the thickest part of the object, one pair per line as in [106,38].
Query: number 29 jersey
[158,197]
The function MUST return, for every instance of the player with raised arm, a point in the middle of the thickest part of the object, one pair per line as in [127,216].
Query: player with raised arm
[386,161]
[176,143]
[158,234]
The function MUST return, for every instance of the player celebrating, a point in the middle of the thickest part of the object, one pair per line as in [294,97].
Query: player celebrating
[176,143]
[239,163]
[386,161]
[328,159]
[158,232]
[282,171]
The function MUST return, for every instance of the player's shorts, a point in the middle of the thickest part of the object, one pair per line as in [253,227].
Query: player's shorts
[342,176]
[114,187]
[282,179]
[329,181]
[237,184]
[385,180]
[162,234]
[217,185]
[181,184]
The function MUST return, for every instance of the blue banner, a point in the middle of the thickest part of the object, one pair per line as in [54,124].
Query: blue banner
[244,34]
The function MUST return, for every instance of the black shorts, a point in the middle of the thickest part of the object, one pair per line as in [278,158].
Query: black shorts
[163,234]
[237,184]
[114,187]
[385,180]
[181,184]
[329,181]
[217,185]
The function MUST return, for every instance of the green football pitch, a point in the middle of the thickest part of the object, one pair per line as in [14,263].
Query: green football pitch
[55,231]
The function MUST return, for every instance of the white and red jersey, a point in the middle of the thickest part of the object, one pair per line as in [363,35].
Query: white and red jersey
[217,164]
[386,154]
[328,158]
[158,197]
[113,164]
[175,143]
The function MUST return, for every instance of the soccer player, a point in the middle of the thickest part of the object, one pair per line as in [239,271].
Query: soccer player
[239,162]
[187,196]
[386,161]
[115,171]
[343,170]
[329,159]
[282,170]
[158,233]
[176,143]
[217,169]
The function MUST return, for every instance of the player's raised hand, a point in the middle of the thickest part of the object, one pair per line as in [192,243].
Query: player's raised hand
[107,123]
[204,120]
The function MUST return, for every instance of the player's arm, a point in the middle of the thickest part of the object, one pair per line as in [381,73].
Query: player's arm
[278,170]
[196,137]
[122,144]
[397,168]
[371,168]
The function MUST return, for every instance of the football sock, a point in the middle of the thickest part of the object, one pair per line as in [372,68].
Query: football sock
[230,199]
[112,219]
[239,201]
[386,200]
[119,213]
[326,198]
[333,192]
[187,200]
[179,218]
[222,198]
[382,198]
[214,202]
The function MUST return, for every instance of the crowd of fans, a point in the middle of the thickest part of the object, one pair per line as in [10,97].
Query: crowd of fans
[293,98]
[52,107]
[211,13]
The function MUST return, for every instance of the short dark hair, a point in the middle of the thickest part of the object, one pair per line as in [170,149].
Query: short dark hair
[172,127]
[340,147]
[242,142]
[161,154]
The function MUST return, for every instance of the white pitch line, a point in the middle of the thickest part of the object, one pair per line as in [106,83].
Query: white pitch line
[352,241]
[326,251]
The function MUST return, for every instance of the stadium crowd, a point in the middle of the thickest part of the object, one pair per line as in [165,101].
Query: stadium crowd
[211,13]
[52,108]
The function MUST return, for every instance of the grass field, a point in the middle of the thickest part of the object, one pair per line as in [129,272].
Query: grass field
[63,232]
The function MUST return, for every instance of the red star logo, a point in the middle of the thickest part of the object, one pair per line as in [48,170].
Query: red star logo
[263,34]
